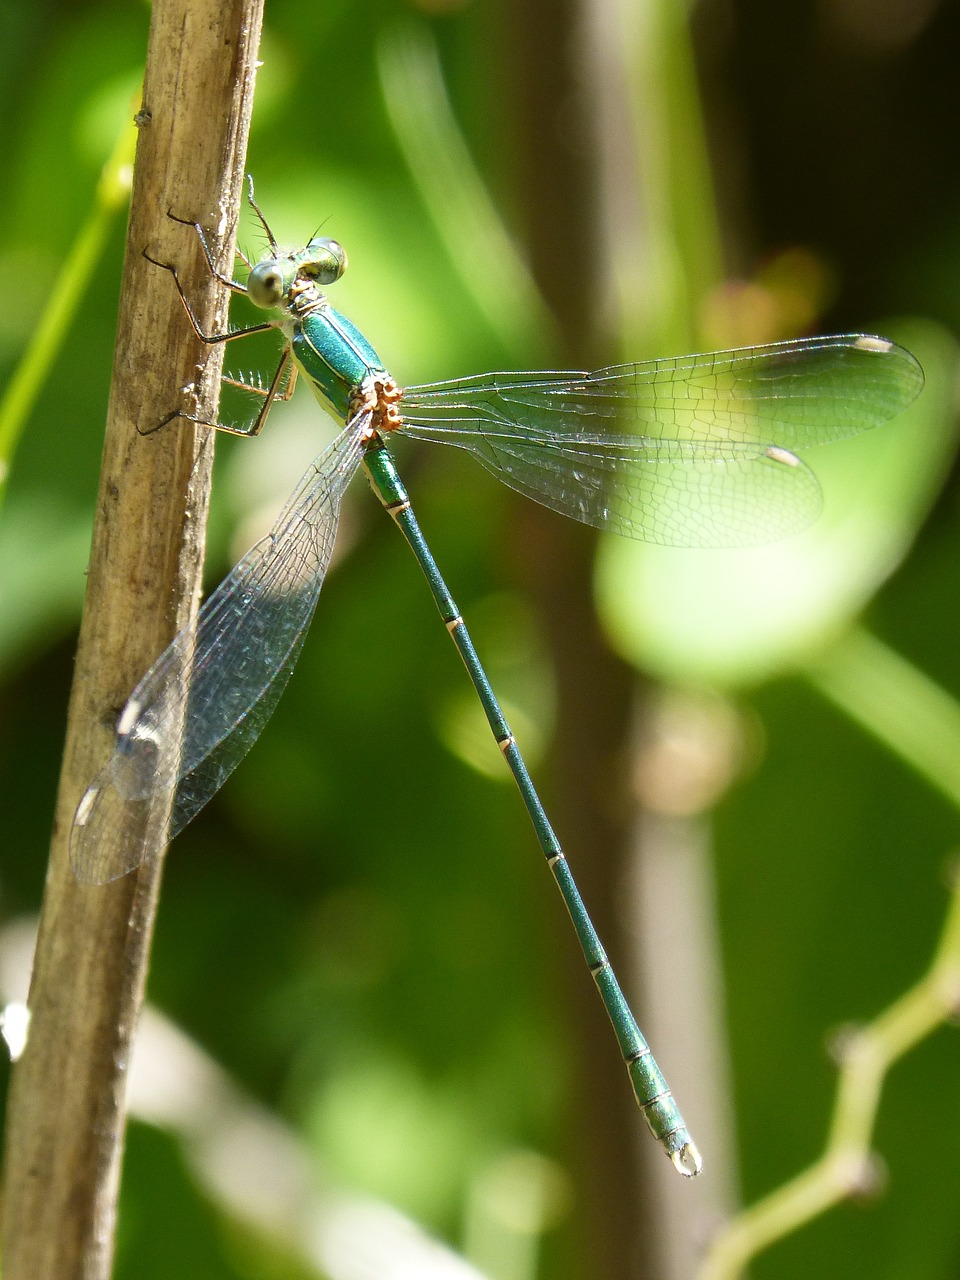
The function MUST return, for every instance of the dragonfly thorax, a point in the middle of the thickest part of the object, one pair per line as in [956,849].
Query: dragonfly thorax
[379,396]
[344,370]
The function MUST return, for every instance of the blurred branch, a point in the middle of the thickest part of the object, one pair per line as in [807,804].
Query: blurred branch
[920,722]
[65,1118]
[846,1169]
[456,197]
[906,710]
[661,256]
[113,190]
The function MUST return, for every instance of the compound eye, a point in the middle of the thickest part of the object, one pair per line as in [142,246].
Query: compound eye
[327,260]
[265,286]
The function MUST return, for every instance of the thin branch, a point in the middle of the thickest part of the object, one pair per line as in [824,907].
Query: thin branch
[65,1122]
[846,1167]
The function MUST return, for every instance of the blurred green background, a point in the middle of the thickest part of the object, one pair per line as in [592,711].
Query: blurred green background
[381,1006]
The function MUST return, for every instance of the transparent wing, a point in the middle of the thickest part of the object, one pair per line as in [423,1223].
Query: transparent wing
[688,451]
[201,706]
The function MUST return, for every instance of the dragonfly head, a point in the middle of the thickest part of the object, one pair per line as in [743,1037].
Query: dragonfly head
[323,260]
[272,282]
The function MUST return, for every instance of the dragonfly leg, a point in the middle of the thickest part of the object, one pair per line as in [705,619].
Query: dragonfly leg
[277,388]
[256,389]
[281,388]
[235,285]
[211,339]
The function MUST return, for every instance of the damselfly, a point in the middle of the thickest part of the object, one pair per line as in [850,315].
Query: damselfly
[691,451]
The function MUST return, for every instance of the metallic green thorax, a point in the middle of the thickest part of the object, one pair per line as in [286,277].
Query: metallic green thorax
[335,356]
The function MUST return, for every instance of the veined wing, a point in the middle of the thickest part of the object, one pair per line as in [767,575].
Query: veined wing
[201,706]
[687,451]
[793,394]
[678,493]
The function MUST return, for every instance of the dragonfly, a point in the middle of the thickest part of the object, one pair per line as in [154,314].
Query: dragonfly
[692,451]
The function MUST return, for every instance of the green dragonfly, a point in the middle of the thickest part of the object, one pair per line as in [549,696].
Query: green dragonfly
[691,451]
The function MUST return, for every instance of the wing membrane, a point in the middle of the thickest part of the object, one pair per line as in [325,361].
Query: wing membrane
[793,394]
[200,707]
[687,451]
